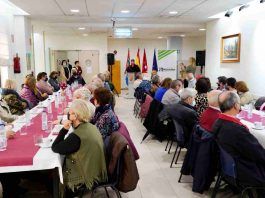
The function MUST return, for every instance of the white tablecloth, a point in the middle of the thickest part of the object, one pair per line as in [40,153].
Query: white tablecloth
[44,159]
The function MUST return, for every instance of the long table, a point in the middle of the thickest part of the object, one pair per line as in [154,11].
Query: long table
[45,158]
[259,134]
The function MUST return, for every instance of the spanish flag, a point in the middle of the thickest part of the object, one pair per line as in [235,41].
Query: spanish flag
[137,59]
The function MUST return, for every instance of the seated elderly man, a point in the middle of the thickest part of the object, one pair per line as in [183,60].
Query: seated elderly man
[138,80]
[236,139]
[172,95]
[183,112]
[211,114]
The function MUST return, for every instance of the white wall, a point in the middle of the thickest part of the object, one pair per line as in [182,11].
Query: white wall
[251,24]
[191,45]
[20,28]
[71,42]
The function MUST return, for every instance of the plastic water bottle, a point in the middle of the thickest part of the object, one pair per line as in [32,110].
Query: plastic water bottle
[250,111]
[56,101]
[3,139]
[44,120]
[49,107]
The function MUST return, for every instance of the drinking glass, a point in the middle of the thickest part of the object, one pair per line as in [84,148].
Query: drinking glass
[3,140]
[23,130]
[38,139]
[50,127]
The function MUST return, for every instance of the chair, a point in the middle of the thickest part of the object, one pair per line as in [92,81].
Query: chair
[145,107]
[113,180]
[228,174]
[180,141]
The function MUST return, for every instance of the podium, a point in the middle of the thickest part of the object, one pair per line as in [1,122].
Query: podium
[131,78]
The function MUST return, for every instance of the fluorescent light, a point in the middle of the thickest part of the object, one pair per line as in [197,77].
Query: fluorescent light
[160,37]
[123,32]
[74,10]
[173,12]
[135,29]
[85,34]
[81,28]
[202,29]
[182,35]
[125,11]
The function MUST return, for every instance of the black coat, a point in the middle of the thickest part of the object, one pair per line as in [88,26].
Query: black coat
[249,155]
[78,79]
[182,113]
[201,160]
[152,122]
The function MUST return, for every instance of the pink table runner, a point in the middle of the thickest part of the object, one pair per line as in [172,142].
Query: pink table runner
[21,150]
[255,117]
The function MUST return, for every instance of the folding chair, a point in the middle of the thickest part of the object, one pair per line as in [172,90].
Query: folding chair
[228,174]
[180,141]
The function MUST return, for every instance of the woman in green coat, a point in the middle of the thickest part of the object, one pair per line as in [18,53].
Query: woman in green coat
[83,149]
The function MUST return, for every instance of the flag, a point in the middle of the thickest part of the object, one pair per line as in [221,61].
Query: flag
[137,59]
[155,67]
[128,62]
[144,65]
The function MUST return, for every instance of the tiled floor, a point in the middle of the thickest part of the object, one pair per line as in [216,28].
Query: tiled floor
[157,180]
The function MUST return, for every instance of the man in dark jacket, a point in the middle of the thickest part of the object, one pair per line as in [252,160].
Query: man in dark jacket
[183,112]
[236,139]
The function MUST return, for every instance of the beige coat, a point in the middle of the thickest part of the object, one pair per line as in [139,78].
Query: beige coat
[246,98]
[5,113]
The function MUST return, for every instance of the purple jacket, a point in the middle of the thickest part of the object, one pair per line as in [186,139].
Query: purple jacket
[125,133]
[28,95]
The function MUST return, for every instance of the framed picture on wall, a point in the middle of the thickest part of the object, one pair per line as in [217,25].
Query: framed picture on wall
[230,48]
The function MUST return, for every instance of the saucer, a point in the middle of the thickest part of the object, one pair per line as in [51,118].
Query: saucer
[45,145]
[260,128]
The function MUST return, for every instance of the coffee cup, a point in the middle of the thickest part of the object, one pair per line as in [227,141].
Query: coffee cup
[258,125]
[46,141]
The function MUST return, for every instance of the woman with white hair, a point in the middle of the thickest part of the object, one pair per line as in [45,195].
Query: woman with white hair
[85,164]
[82,93]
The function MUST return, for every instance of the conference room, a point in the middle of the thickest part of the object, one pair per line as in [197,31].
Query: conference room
[132,99]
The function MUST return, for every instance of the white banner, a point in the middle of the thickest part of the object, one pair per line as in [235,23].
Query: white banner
[167,64]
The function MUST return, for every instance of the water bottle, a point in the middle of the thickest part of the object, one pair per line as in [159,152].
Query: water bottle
[27,116]
[56,101]
[250,111]
[3,139]
[49,107]
[44,120]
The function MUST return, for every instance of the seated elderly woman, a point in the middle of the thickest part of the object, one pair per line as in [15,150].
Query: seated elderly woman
[5,113]
[42,83]
[102,77]
[85,163]
[202,87]
[30,91]
[245,96]
[155,84]
[82,93]
[16,104]
[165,85]
[105,119]
[53,80]
[211,114]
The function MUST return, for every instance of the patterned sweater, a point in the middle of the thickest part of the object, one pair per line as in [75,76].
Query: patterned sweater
[105,120]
